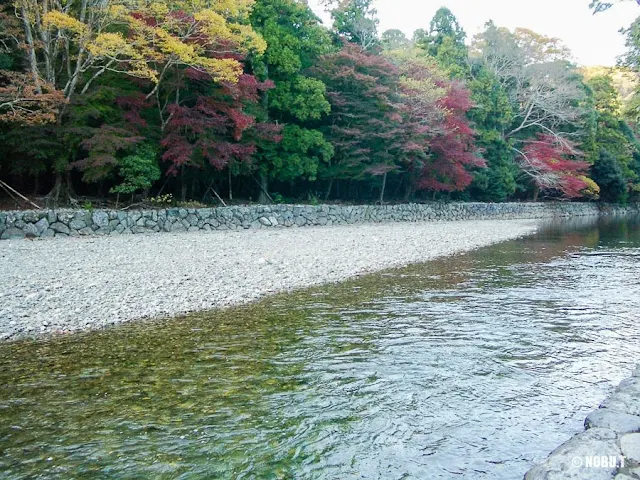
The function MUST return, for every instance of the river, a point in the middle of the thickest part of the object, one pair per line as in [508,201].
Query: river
[471,367]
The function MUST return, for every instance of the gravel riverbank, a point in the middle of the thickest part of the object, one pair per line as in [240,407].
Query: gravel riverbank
[67,284]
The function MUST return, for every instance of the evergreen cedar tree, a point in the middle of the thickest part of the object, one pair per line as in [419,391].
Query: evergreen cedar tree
[258,97]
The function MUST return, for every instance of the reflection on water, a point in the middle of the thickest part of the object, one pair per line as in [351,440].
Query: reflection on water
[469,367]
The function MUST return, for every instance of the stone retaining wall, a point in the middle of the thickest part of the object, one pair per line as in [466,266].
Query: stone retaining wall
[609,448]
[49,223]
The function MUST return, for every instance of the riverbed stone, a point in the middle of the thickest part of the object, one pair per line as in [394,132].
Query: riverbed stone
[567,462]
[617,421]
[630,446]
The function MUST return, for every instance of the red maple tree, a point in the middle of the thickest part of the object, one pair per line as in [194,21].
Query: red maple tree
[549,161]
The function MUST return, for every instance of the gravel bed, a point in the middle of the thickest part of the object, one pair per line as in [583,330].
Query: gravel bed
[60,285]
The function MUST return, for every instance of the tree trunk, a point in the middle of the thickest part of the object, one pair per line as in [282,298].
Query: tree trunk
[31,51]
[384,184]
[263,197]
[536,193]
[326,197]
[230,189]
[62,192]
[36,183]
[194,185]
[183,186]
[408,194]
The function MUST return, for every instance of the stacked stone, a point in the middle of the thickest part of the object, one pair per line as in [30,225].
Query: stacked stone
[49,223]
[611,440]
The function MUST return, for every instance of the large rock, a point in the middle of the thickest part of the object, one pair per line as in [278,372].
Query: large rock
[12,233]
[42,225]
[78,223]
[31,217]
[569,461]
[30,230]
[60,228]
[617,421]
[101,219]
[626,398]
[630,446]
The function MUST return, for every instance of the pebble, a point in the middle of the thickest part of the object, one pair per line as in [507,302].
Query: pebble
[115,279]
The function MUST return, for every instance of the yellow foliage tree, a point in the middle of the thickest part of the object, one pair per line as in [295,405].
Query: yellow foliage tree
[70,43]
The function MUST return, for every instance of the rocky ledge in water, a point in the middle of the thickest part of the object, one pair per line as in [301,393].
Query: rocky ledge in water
[66,284]
[609,448]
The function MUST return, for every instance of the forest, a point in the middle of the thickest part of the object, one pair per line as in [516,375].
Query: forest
[235,101]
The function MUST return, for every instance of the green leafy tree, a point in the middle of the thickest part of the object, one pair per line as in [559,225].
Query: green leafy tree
[612,133]
[357,22]
[295,40]
[394,40]
[492,115]
[138,170]
[608,174]
[445,42]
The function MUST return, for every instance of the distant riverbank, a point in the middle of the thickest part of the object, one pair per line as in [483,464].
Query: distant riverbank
[82,283]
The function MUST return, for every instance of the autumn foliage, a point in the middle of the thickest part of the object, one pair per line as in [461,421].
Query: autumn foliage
[257,99]
[548,161]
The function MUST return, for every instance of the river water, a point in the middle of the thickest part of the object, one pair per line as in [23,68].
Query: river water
[470,367]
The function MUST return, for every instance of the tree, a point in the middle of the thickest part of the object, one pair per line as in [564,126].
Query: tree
[70,45]
[548,163]
[612,134]
[21,103]
[138,170]
[394,40]
[607,173]
[422,88]
[212,127]
[545,94]
[453,151]
[356,21]
[445,42]
[365,117]
[492,115]
[295,40]
[599,6]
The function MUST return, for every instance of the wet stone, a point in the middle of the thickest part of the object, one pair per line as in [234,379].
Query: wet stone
[562,463]
[617,421]
[626,398]
[630,446]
